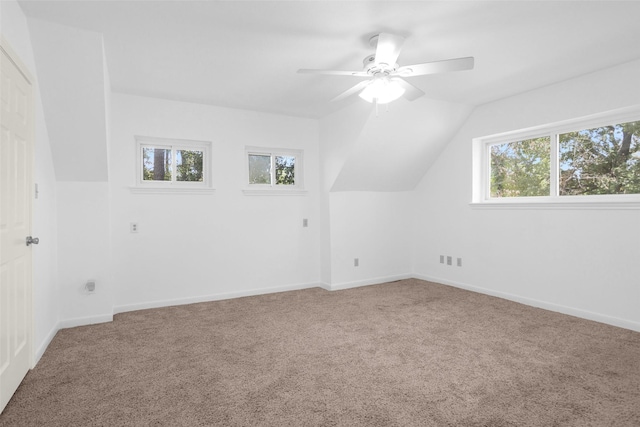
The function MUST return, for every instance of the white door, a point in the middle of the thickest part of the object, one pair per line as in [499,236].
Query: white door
[16,137]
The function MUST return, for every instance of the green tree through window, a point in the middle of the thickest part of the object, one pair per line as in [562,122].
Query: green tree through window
[521,169]
[156,164]
[285,170]
[601,160]
[189,165]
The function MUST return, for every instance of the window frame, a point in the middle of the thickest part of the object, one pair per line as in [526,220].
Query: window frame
[273,188]
[173,186]
[481,151]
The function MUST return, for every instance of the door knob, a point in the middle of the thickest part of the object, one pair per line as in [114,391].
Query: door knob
[32,240]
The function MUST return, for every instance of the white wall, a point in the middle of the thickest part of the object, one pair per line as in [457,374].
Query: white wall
[75,93]
[45,227]
[338,133]
[373,226]
[84,253]
[207,246]
[581,262]
[13,26]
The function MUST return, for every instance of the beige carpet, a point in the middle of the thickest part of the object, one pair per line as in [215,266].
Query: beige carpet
[408,353]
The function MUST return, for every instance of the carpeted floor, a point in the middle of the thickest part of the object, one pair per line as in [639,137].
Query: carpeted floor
[408,353]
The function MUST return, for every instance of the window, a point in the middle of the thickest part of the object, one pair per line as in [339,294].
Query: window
[596,159]
[521,168]
[274,170]
[600,160]
[172,165]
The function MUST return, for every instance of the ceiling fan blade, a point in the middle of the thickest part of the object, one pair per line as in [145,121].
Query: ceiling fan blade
[355,89]
[388,48]
[411,92]
[334,72]
[436,67]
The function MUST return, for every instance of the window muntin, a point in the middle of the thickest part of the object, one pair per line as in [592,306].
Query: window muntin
[167,163]
[274,168]
[616,134]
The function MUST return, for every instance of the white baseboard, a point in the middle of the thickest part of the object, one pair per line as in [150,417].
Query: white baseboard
[83,321]
[68,323]
[366,282]
[43,347]
[584,314]
[212,297]
[252,292]
[325,286]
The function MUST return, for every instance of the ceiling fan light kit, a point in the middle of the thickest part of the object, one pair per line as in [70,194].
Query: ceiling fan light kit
[382,90]
[386,82]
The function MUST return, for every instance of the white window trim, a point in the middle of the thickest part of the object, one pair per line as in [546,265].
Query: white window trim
[271,189]
[481,167]
[173,187]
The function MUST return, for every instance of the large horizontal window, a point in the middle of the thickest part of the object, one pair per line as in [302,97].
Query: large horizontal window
[174,165]
[581,161]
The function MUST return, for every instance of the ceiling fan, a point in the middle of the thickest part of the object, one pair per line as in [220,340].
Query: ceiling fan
[386,81]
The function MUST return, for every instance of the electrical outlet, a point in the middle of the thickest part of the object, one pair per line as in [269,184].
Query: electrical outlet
[459,262]
[90,286]
[441,259]
[449,259]
[133,227]
[356,262]
[305,222]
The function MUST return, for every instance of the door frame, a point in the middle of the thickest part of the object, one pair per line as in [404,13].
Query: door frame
[22,68]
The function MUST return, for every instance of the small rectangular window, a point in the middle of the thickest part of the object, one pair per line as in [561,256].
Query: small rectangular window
[272,169]
[168,164]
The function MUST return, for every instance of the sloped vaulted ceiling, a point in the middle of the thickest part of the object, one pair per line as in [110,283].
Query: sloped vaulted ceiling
[396,147]
[73,85]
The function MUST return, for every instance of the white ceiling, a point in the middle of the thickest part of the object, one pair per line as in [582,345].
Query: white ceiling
[245,54]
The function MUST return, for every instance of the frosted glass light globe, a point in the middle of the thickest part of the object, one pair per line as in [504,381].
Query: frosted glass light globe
[382,90]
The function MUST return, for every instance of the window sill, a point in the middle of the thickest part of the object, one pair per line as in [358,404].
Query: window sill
[273,192]
[566,205]
[172,190]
